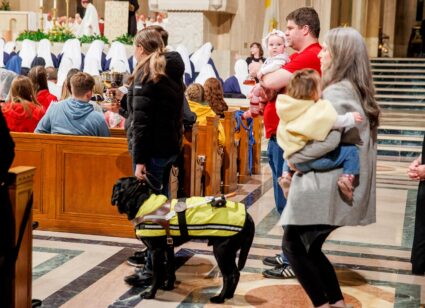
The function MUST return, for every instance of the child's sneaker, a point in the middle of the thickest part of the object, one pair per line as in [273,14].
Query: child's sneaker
[345,184]
[285,183]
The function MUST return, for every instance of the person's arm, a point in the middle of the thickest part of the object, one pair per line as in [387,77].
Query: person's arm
[142,126]
[342,100]
[276,80]
[189,117]
[45,124]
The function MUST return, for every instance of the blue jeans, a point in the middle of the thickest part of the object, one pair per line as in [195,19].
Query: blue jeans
[345,156]
[275,155]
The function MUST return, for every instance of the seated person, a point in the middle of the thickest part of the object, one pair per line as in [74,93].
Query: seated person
[188,65]
[52,79]
[195,97]
[235,84]
[6,78]
[214,96]
[116,59]
[75,115]
[95,59]
[43,51]
[22,112]
[38,76]
[72,50]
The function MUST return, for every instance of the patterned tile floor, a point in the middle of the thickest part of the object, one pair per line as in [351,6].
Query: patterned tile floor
[74,270]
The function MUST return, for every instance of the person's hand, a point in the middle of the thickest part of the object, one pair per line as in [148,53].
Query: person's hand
[357,117]
[292,167]
[115,92]
[259,75]
[414,164]
[420,171]
[140,172]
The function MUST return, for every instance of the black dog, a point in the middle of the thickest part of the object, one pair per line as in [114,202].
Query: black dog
[129,194]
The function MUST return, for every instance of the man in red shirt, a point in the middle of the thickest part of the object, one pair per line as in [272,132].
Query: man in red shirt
[302,32]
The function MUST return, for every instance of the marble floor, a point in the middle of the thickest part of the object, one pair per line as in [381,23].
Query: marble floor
[372,262]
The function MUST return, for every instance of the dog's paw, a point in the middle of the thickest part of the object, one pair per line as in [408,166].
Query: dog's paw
[217,299]
[148,294]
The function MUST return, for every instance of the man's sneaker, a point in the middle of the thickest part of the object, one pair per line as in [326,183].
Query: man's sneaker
[138,259]
[140,278]
[276,261]
[283,272]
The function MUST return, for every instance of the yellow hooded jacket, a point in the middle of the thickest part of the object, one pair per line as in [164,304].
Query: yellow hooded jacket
[204,111]
[302,121]
[202,221]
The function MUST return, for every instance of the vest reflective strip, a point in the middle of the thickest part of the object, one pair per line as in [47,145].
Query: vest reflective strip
[192,227]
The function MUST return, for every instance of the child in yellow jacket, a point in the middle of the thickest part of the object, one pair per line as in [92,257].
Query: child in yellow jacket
[305,117]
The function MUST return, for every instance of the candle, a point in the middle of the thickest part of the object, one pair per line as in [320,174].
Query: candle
[54,4]
[41,3]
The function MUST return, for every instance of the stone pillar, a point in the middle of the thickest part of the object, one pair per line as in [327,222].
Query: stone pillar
[389,22]
[195,22]
[116,19]
[372,29]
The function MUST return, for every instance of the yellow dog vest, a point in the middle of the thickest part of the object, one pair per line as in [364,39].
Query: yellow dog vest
[202,221]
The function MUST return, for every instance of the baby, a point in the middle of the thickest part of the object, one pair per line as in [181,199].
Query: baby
[274,44]
[305,117]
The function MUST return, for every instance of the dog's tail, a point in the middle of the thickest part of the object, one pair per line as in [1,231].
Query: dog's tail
[248,238]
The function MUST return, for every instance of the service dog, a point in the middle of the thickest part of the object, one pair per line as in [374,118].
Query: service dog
[154,218]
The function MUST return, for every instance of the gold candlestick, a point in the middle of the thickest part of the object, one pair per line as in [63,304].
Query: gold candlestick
[41,19]
[67,12]
[54,17]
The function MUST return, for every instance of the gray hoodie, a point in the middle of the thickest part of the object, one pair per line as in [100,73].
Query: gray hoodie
[73,117]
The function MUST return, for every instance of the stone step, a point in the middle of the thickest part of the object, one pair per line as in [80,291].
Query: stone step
[407,138]
[395,96]
[397,65]
[399,83]
[405,90]
[385,129]
[398,71]
[405,106]
[396,60]
[398,153]
[396,77]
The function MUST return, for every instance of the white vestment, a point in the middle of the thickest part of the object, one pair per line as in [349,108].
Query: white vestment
[90,23]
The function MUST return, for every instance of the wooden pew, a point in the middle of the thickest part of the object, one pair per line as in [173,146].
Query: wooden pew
[20,189]
[256,151]
[207,148]
[243,155]
[73,181]
[230,167]
[191,167]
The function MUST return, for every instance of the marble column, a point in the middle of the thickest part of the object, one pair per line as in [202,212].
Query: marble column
[389,22]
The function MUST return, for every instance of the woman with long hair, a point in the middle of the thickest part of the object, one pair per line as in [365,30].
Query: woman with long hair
[214,96]
[154,125]
[256,53]
[315,208]
[23,111]
[38,76]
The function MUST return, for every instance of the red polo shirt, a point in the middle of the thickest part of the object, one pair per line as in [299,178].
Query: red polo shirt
[299,60]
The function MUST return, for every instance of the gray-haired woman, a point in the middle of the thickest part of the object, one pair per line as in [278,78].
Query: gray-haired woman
[315,207]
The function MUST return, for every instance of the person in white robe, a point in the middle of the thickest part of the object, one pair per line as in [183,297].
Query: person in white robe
[201,56]
[43,51]
[27,53]
[71,58]
[93,59]
[206,72]
[90,23]
[242,74]
[184,53]
[2,43]
[117,56]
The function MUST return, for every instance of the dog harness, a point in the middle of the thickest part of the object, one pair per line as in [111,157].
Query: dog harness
[193,217]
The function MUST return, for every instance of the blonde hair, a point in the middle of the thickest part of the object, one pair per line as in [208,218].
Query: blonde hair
[195,93]
[304,85]
[350,61]
[214,96]
[22,92]
[152,68]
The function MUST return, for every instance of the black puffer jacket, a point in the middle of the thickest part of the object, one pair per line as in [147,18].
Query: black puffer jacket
[154,125]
